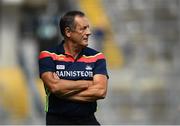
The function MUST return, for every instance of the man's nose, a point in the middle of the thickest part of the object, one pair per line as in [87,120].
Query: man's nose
[88,32]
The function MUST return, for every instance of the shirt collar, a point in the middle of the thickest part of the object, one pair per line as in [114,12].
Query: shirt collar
[62,50]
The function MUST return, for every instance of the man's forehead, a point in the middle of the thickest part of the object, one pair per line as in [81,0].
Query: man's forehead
[83,21]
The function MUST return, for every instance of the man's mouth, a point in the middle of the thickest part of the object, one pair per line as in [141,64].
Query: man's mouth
[85,39]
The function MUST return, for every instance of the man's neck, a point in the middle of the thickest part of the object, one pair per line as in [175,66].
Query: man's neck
[72,48]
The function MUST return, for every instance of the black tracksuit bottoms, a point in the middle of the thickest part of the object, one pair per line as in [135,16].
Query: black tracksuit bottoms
[53,119]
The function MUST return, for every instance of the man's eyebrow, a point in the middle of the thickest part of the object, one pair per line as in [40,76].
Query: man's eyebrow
[86,26]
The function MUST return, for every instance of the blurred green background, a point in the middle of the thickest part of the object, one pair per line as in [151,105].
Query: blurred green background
[140,39]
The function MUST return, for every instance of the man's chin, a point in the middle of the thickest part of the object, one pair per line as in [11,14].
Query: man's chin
[85,44]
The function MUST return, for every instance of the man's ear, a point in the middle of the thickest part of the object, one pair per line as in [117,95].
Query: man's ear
[67,31]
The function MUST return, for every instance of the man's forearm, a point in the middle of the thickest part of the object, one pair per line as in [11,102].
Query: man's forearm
[63,87]
[80,98]
[71,87]
[91,94]
[80,90]
[94,92]
[68,93]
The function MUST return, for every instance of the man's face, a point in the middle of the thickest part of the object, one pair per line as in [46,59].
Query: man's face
[81,32]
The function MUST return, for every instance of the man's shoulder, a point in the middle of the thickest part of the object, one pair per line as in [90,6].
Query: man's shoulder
[49,52]
[53,49]
[90,51]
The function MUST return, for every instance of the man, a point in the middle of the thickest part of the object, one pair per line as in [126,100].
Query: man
[74,75]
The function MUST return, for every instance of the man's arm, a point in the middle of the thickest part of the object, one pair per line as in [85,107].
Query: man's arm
[94,92]
[62,87]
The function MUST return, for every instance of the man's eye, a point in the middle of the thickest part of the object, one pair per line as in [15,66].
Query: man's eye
[83,29]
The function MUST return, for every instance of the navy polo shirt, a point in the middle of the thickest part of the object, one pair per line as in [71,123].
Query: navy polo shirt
[88,63]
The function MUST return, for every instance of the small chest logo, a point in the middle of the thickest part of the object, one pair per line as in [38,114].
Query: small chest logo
[88,67]
[60,67]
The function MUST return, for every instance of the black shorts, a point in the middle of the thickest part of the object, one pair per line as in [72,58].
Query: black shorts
[52,119]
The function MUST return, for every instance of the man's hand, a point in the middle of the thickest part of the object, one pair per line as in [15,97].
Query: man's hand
[55,76]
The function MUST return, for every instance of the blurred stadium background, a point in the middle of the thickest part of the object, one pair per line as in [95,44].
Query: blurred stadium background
[141,41]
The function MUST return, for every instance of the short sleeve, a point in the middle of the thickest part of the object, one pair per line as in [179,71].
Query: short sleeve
[100,67]
[46,64]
